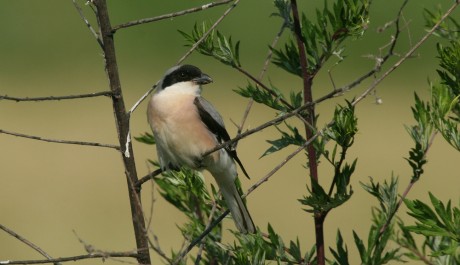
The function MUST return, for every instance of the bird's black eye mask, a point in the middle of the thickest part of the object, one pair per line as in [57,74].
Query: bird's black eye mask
[182,74]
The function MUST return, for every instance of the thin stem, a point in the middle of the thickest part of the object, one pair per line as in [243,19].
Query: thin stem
[27,242]
[34,137]
[211,215]
[148,177]
[122,125]
[50,98]
[171,15]
[261,75]
[307,79]
[200,237]
[104,255]
[406,56]
[80,12]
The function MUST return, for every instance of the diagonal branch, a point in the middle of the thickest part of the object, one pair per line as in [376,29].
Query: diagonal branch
[407,55]
[27,242]
[171,15]
[205,35]
[59,141]
[122,125]
[103,256]
[80,12]
[49,98]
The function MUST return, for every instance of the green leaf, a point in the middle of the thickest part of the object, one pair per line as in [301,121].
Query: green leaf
[341,252]
[443,221]
[263,96]
[361,248]
[344,127]
[215,44]
[287,139]
[146,138]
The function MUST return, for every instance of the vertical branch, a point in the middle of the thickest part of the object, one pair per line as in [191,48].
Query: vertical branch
[307,79]
[122,122]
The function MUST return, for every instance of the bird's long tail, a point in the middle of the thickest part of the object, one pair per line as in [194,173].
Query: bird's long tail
[240,214]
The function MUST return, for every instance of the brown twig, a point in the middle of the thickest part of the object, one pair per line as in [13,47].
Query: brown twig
[90,95]
[27,242]
[122,125]
[80,12]
[307,79]
[406,56]
[105,255]
[148,177]
[171,15]
[58,140]
[261,75]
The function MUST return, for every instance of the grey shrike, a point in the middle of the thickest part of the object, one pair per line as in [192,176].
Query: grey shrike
[186,126]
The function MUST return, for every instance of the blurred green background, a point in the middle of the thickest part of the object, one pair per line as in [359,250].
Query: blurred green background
[48,190]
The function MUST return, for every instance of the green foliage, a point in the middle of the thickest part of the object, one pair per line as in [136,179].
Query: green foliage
[214,44]
[381,231]
[386,194]
[287,139]
[448,29]
[259,248]
[444,109]
[263,96]
[440,226]
[341,252]
[319,202]
[344,126]
[146,138]
[443,221]
[323,38]
[284,11]
[449,57]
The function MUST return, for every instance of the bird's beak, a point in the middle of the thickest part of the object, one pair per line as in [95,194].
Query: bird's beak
[203,79]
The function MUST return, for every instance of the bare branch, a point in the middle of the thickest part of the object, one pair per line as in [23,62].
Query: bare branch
[59,141]
[27,242]
[171,15]
[205,35]
[90,95]
[407,55]
[105,255]
[80,12]
[122,125]
[148,177]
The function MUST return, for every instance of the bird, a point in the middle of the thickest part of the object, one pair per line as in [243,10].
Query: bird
[186,126]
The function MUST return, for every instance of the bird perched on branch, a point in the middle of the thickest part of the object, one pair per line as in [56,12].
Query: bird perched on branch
[186,126]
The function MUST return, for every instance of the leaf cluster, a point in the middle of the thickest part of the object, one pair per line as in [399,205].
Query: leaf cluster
[215,44]
[443,221]
[323,38]
[261,248]
[376,251]
[449,29]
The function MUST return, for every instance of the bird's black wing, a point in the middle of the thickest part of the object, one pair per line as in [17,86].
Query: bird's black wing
[211,118]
